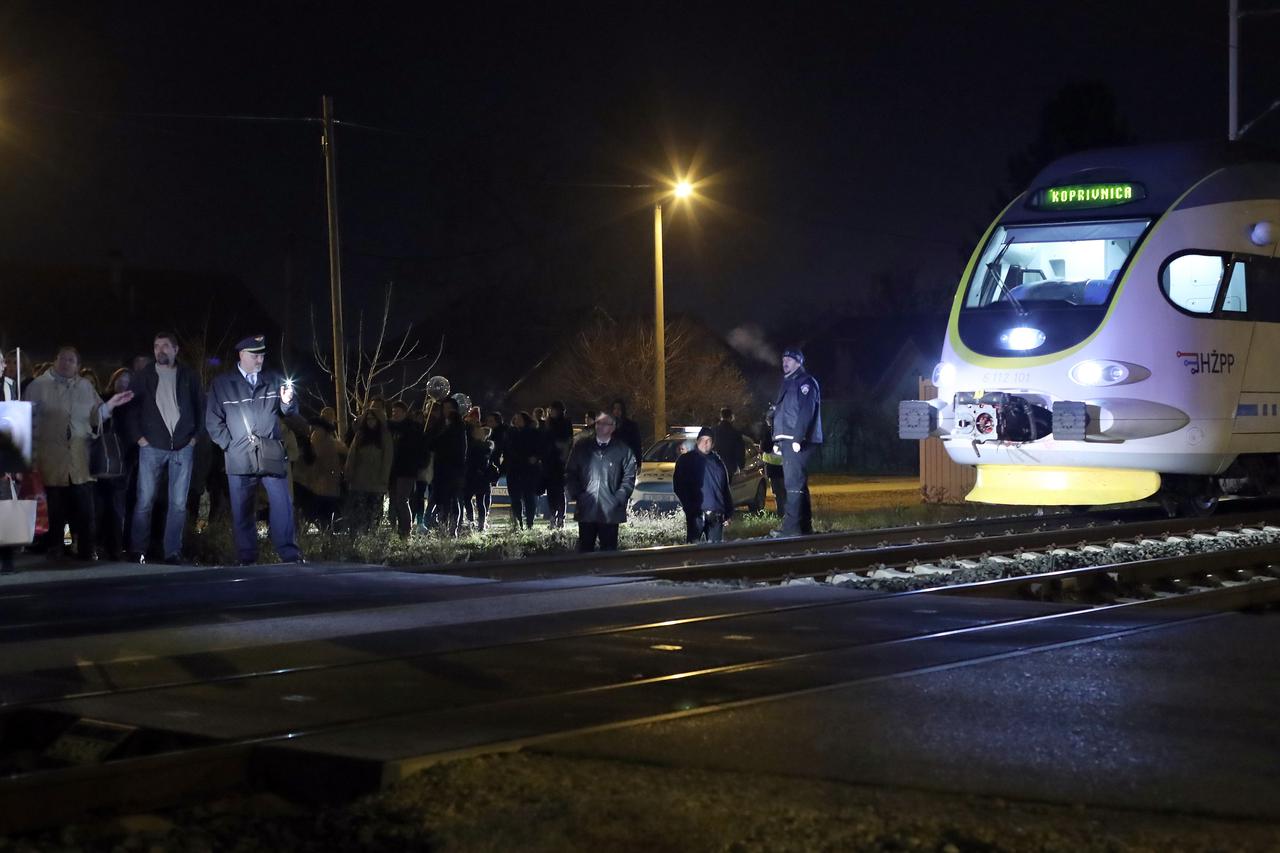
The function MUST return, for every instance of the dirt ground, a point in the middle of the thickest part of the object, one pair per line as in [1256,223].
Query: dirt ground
[529,801]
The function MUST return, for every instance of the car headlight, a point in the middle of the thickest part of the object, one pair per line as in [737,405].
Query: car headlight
[1099,373]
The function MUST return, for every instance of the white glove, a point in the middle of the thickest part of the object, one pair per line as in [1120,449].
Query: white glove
[777,451]
[795,445]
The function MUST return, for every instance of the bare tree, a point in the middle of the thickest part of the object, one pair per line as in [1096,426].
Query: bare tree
[384,368]
[609,359]
[200,347]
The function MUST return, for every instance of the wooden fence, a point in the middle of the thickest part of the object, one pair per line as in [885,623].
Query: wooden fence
[941,480]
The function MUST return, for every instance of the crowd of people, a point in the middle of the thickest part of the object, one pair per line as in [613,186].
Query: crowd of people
[127,465]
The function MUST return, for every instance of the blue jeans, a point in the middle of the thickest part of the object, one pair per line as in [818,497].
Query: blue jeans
[151,461]
[244,522]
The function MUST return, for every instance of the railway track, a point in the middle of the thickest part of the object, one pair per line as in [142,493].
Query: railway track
[1143,594]
[930,541]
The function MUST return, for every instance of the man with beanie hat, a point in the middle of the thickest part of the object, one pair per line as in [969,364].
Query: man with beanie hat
[243,418]
[701,482]
[797,430]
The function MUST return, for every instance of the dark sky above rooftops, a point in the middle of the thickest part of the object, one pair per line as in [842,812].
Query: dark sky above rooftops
[836,141]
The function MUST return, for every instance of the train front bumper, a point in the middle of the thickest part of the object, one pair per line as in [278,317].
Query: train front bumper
[1044,485]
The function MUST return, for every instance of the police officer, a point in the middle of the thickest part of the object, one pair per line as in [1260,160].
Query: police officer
[797,429]
[243,418]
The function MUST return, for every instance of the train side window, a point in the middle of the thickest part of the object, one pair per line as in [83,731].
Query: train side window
[1191,281]
[1237,299]
[1264,290]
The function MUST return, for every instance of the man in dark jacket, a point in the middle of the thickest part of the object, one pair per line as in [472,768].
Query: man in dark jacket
[409,453]
[628,431]
[558,433]
[243,418]
[797,430]
[729,443]
[165,420]
[449,467]
[600,476]
[701,482]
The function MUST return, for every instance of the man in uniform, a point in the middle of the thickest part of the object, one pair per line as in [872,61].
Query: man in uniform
[243,418]
[797,429]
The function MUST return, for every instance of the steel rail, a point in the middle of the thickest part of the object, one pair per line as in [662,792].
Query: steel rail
[812,565]
[165,776]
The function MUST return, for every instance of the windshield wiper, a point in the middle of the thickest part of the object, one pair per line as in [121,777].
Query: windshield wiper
[993,267]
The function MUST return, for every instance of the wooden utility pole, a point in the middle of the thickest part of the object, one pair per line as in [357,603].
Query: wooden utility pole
[328,142]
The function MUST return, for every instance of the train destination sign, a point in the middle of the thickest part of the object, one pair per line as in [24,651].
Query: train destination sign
[1078,196]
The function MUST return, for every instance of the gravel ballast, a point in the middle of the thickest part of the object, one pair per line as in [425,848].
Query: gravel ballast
[534,802]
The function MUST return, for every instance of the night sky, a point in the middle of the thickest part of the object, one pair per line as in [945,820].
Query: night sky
[837,143]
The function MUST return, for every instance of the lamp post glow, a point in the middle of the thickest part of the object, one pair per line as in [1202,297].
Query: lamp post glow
[682,189]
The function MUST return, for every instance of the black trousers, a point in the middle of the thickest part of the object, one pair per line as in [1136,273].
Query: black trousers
[589,532]
[556,503]
[524,505]
[72,504]
[799,512]
[704,525]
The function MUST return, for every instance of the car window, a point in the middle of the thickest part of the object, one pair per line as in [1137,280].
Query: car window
[668,450]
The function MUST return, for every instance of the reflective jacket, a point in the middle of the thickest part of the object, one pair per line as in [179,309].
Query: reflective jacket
[797,414]
[235,410]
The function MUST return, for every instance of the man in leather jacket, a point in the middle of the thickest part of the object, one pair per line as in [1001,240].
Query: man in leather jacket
[600,476]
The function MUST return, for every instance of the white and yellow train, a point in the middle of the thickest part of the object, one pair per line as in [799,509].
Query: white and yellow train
[1116,334]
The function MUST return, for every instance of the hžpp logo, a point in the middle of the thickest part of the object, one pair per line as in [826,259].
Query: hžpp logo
[1208,362]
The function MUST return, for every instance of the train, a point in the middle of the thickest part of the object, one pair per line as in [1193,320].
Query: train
[1115,336]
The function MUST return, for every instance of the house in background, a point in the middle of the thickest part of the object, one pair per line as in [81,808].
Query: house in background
[866,365]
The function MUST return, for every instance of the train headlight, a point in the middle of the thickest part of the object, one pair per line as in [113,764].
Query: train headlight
[1097,373]
[1021,338]
[944,375]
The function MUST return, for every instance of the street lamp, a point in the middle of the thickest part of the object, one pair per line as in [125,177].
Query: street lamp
[681,190]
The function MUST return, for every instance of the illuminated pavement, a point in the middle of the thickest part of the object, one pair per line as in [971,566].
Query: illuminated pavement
[1182,718]
[372,672]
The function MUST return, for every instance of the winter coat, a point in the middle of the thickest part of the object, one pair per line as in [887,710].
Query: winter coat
[797,413]
[601,480]
[449,453]
[411,448]
[368,467]
[557,439]
[522,459]
[731,446]
[233,404]
[142,418]
[628,432]
[67,416]
[323,474]
[479,452]
[701,482]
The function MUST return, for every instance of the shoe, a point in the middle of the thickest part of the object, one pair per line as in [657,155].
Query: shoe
[89,556]
[301,561]
[135,557]
[177,560]
[777,534]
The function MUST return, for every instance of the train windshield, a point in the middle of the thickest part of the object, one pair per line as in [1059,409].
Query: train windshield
[1069,264]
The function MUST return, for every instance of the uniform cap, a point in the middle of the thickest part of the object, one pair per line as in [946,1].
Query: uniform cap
[706,432]
[793,352]
[253,343]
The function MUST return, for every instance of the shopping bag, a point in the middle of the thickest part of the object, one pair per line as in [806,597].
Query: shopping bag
[17,517]
[32,489]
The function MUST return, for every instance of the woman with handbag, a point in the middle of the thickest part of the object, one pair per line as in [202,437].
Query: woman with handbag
[114,465]
[68,414]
